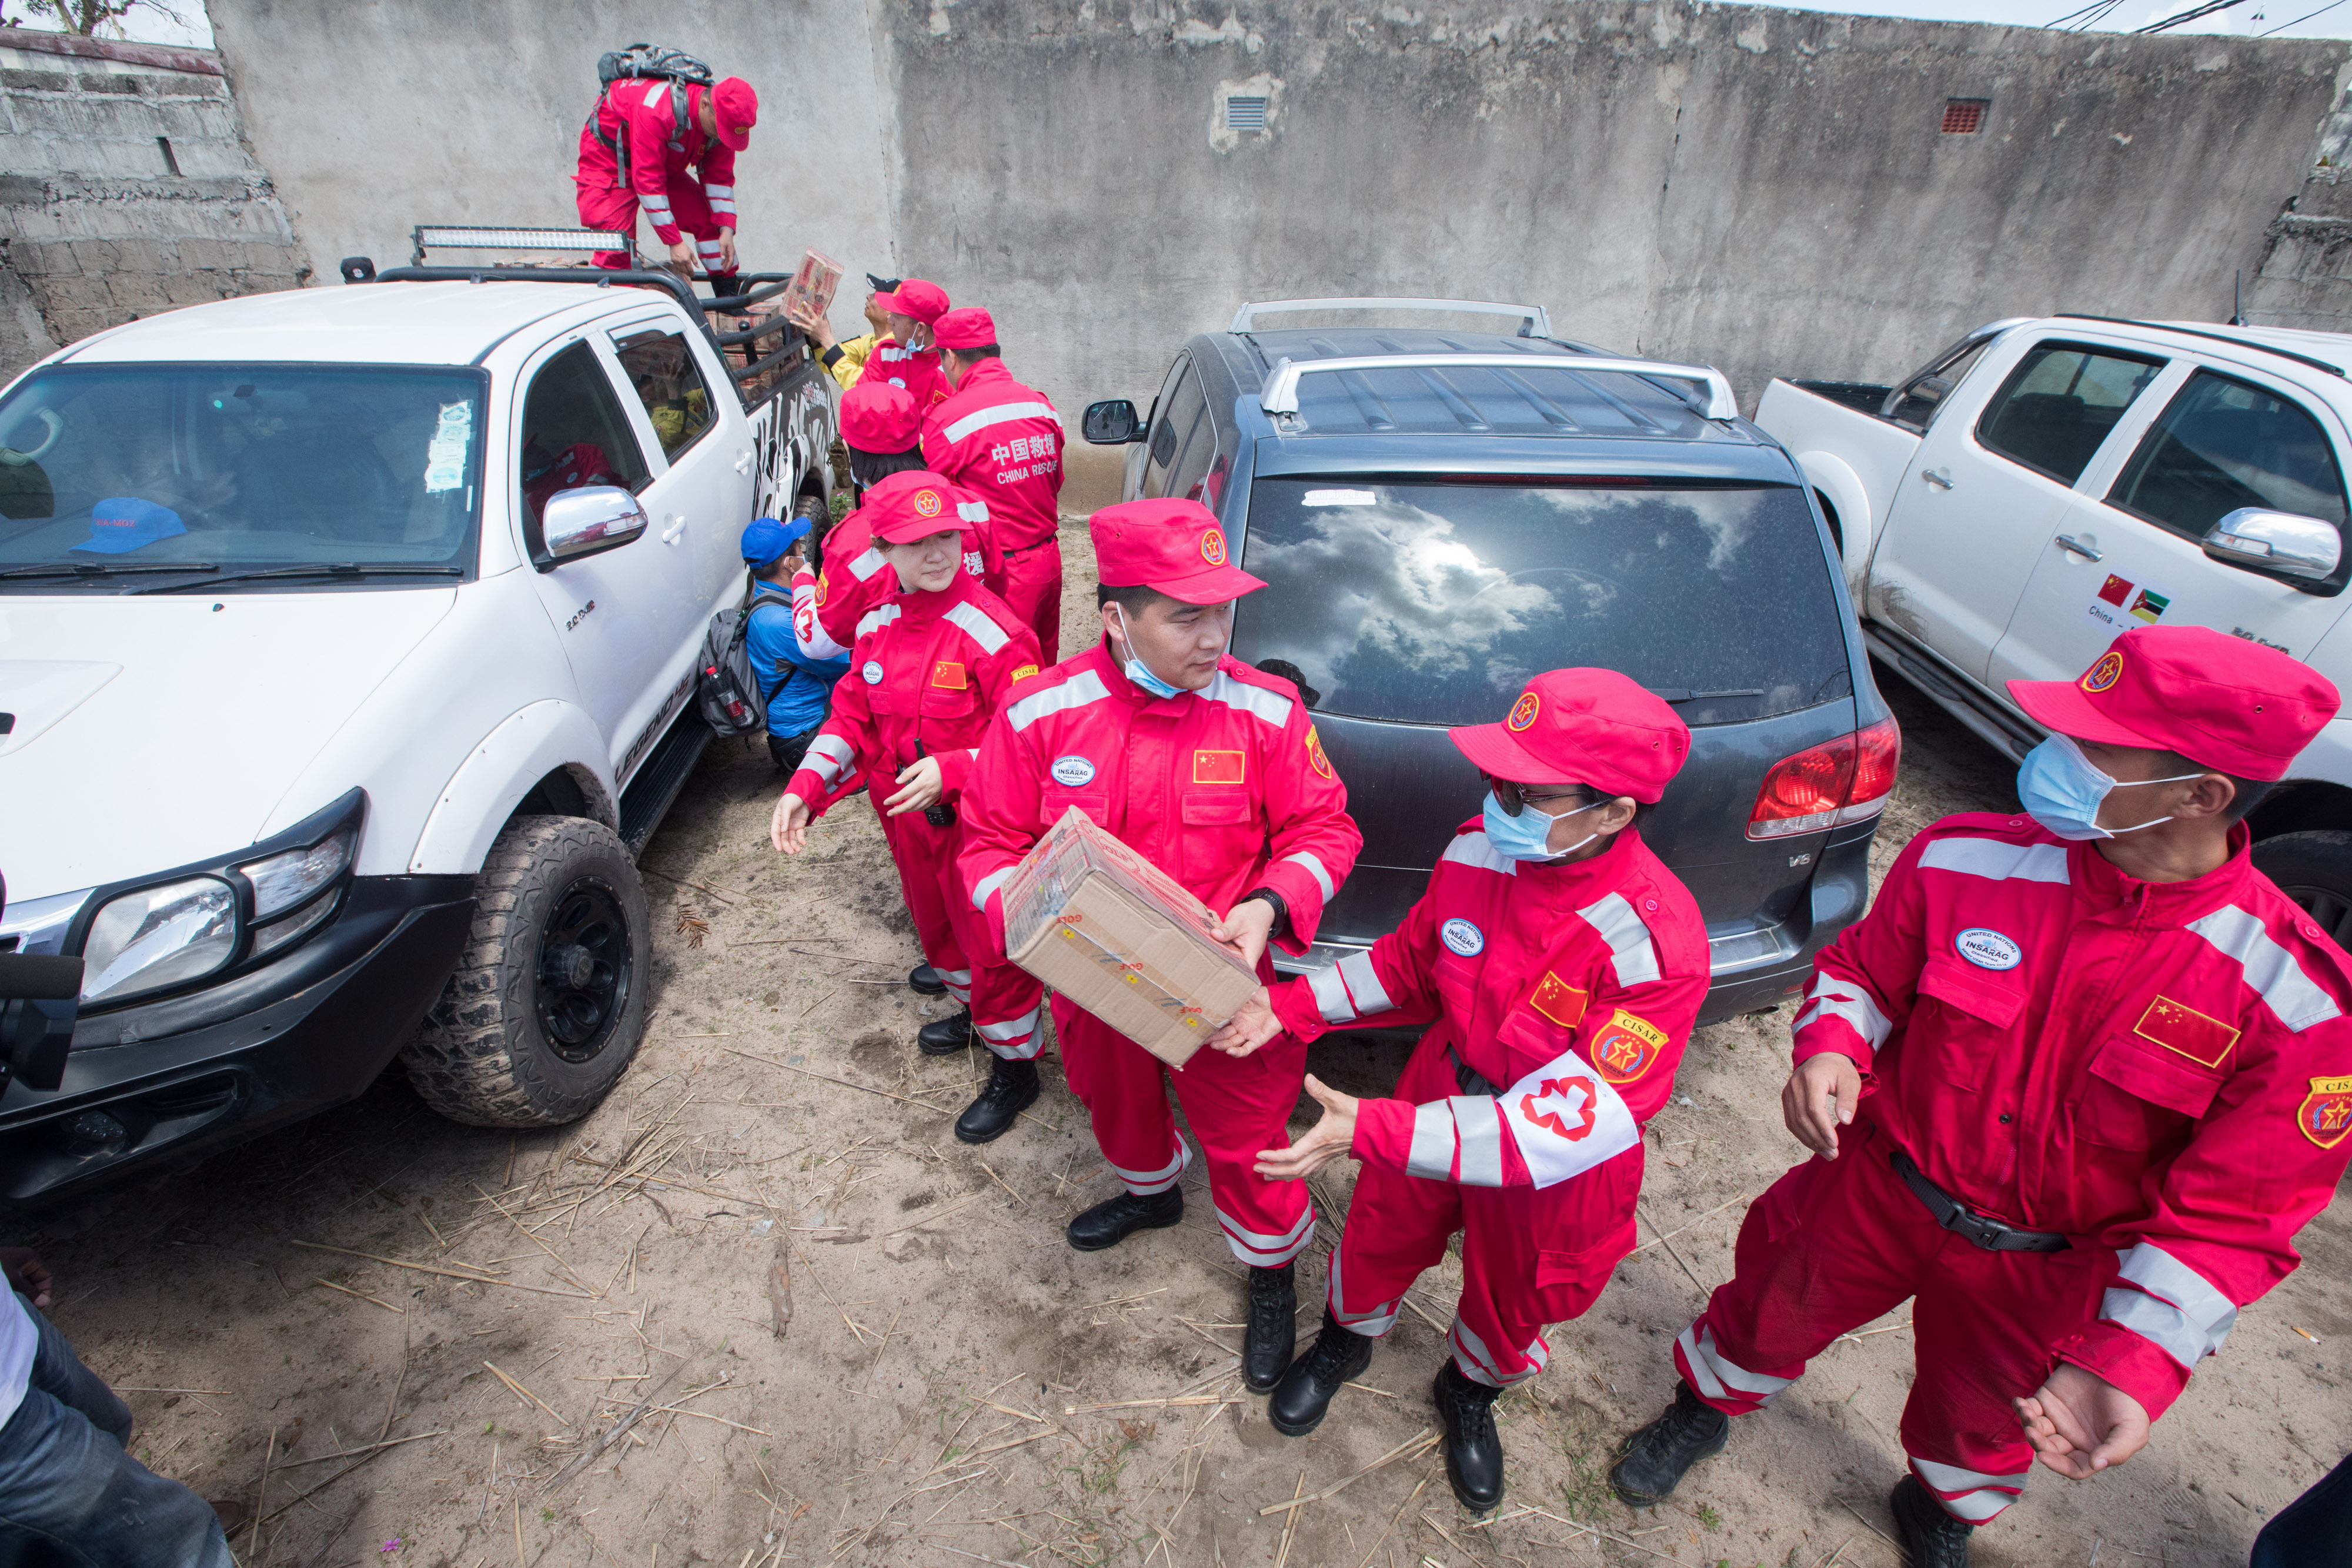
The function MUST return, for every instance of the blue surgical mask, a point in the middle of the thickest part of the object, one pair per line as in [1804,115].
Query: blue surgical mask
[1525,837]
[1137,670]
[2062,789]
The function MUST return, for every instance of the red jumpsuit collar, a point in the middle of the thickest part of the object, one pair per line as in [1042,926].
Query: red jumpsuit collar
[1595,876]
[2099,884]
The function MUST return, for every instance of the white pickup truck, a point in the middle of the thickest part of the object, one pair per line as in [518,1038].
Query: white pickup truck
[349,652]
[2042,484]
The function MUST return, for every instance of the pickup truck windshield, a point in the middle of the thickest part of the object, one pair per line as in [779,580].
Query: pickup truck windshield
[1433,602]
[113,468]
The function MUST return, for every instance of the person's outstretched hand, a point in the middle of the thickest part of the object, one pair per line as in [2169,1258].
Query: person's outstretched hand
[805,316]
[26,1273]
[2081,1424]
[681,258]
[1248,1029]
[1248,923]
[1818,1099]
[788,829]
[1323,1142]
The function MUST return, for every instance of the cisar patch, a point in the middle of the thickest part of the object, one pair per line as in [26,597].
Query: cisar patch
[1024,672]
[1315,758]
[1558,1001]
[1625,1047]
[1217,766]
[2186,1031]
[949,673]
[2325,1114]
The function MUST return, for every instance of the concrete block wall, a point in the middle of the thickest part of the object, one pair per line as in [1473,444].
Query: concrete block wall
[99,222]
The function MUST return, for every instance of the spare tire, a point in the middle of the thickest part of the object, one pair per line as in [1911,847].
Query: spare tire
[2314,869]
[548,1002]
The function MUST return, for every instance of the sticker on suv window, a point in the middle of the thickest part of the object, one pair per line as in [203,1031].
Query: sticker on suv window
[445,454]
[1341,498]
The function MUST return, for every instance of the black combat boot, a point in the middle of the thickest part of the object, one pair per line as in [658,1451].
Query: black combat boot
[1474,1450]
[924,980]
[1655,1457]
[945,1037]
[1011,1088]
[1305,1391]
[1108,1224]
[1931,1538]
[1272,1332]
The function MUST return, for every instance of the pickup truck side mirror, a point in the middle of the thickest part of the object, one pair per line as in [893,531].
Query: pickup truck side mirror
[1113,423]
[2306,548]
[585,521]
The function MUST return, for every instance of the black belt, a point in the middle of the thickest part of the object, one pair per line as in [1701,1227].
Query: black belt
[1473,1081]
[1992,1235]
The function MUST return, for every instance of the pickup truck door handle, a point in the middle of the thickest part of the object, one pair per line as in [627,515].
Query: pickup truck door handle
[674,529]
[2069,542]
[743,462]
[1939,477]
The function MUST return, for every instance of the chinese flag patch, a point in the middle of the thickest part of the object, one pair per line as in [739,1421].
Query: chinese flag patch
[2325,1114]
[949,673]
[1558,1001]
[2181,1029]
[1625,1047]
[2114,591]
[1217,766]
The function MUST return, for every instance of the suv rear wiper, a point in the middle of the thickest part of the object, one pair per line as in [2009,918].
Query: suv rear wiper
[347,569]
[96,569]
[1663,694]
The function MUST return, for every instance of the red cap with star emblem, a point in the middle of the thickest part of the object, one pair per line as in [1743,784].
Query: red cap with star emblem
[1172,547]
[970,328]
[1582,727]
[911,505]
[736,108]
[2221,702]
[918,298]
[877,416]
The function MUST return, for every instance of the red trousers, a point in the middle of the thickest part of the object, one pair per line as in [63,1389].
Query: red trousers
[616,207]
[1003,999]
[1835,1243]
[1033,588]
[1528,1258]
[1237,1108]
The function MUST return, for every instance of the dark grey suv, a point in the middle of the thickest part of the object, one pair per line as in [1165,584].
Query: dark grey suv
[1439,514]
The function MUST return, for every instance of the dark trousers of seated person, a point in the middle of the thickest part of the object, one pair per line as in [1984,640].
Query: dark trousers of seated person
[788,749]
[70,1491]
[2314,1530]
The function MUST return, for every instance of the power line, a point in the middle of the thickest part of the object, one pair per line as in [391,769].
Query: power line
[2305,17]
[2190,15]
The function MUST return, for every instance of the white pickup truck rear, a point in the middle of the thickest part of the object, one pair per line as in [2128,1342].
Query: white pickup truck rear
[2044,484]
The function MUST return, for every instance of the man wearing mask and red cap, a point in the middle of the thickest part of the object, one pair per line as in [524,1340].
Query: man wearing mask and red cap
[1003,441]
[1560,966]
[2074,1083]
[929,670]
[669,146]
[1212,772]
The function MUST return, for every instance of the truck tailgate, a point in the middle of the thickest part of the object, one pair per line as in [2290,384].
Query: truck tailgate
[1856,460]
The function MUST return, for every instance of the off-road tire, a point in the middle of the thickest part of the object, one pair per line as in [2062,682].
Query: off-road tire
[483,1056]
[2314,869]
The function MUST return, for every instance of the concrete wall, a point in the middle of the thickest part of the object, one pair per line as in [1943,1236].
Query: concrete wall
[1766,190]
[96,226]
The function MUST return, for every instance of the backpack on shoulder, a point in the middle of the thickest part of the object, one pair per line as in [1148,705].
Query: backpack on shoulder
[646,62]
[724,681]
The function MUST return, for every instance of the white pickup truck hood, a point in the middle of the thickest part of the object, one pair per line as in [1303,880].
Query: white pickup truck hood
[151,730]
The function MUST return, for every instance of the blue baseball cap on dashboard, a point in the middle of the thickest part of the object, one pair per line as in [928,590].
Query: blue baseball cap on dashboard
[766,538]
[120,524]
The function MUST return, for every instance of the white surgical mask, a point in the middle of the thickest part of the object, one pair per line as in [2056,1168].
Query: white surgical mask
[1137,670]
[2062,789]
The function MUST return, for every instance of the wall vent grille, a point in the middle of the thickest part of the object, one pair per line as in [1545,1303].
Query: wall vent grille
[1245,114]
[1964,115]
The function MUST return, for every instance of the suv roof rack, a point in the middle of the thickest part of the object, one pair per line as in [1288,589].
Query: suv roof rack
[2336,370]
[1533,320]
[1281,392]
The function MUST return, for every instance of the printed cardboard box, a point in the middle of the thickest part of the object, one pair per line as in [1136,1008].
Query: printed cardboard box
[1122,939]
[814,284]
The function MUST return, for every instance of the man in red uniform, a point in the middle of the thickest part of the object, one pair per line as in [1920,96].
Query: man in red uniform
[670,147]
[907,357]
[1212,772]
[931,669]
[1003,440]
[2075,1083]
[1561,966]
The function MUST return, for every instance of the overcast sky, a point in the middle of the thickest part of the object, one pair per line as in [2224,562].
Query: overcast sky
[185,22]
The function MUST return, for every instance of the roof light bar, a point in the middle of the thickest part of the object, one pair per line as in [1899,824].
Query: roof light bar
[1281,394]
[459,237]
[1534,321]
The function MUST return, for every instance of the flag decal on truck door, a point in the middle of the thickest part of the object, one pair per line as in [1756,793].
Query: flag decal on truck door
[2121,604]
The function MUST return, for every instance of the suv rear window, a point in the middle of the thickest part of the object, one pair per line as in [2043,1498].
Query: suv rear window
[1432,602]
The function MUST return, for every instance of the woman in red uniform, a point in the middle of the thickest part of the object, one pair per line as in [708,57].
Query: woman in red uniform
[1560,966]
[930,667]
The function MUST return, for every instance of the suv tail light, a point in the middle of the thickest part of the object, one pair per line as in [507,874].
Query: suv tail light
[1842,780]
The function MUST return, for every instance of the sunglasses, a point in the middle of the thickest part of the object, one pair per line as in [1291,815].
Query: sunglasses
[1516,798]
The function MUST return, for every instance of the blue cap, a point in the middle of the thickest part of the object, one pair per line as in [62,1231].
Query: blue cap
[120,524]
[767,539]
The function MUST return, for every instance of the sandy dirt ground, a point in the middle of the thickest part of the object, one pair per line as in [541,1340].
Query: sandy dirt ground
[392,1339]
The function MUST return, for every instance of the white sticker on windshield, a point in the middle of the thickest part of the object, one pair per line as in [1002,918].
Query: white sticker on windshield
[1341,498]
[445,454]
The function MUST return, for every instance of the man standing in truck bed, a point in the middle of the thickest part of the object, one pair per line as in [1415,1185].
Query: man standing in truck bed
[667,145]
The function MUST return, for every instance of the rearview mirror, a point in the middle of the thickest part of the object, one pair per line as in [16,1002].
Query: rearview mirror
[584,521]
[1112,423]
[2303,548]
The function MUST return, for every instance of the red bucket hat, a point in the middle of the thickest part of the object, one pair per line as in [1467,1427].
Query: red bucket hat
[911,505]
[1172,547]
[877,416]
[1582,727]
[970,328]
[2221,702]
[923,300]
[736,108]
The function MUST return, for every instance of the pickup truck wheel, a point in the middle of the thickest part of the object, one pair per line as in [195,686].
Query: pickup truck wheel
[2316,870]
[549,1000]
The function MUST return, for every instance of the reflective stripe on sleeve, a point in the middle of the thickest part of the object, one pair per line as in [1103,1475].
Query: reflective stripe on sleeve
[2175,1307]
[977,626]
[828,757]
[1479,1125]
[981,419]
[1313,865]
[973,511]
[718,193]
[874,620]
[1080,690]
[986,886]
[1364,984]
[1636,959]
[1996,860]
[1271,706]
[1331,995]
[1831,998]
[866,562]
[2269,969]
[1431,1155]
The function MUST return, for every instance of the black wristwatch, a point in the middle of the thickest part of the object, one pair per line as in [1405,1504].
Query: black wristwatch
[1281,926]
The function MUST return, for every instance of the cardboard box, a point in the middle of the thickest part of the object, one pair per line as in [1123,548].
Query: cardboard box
[814,284]
[1122,939]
